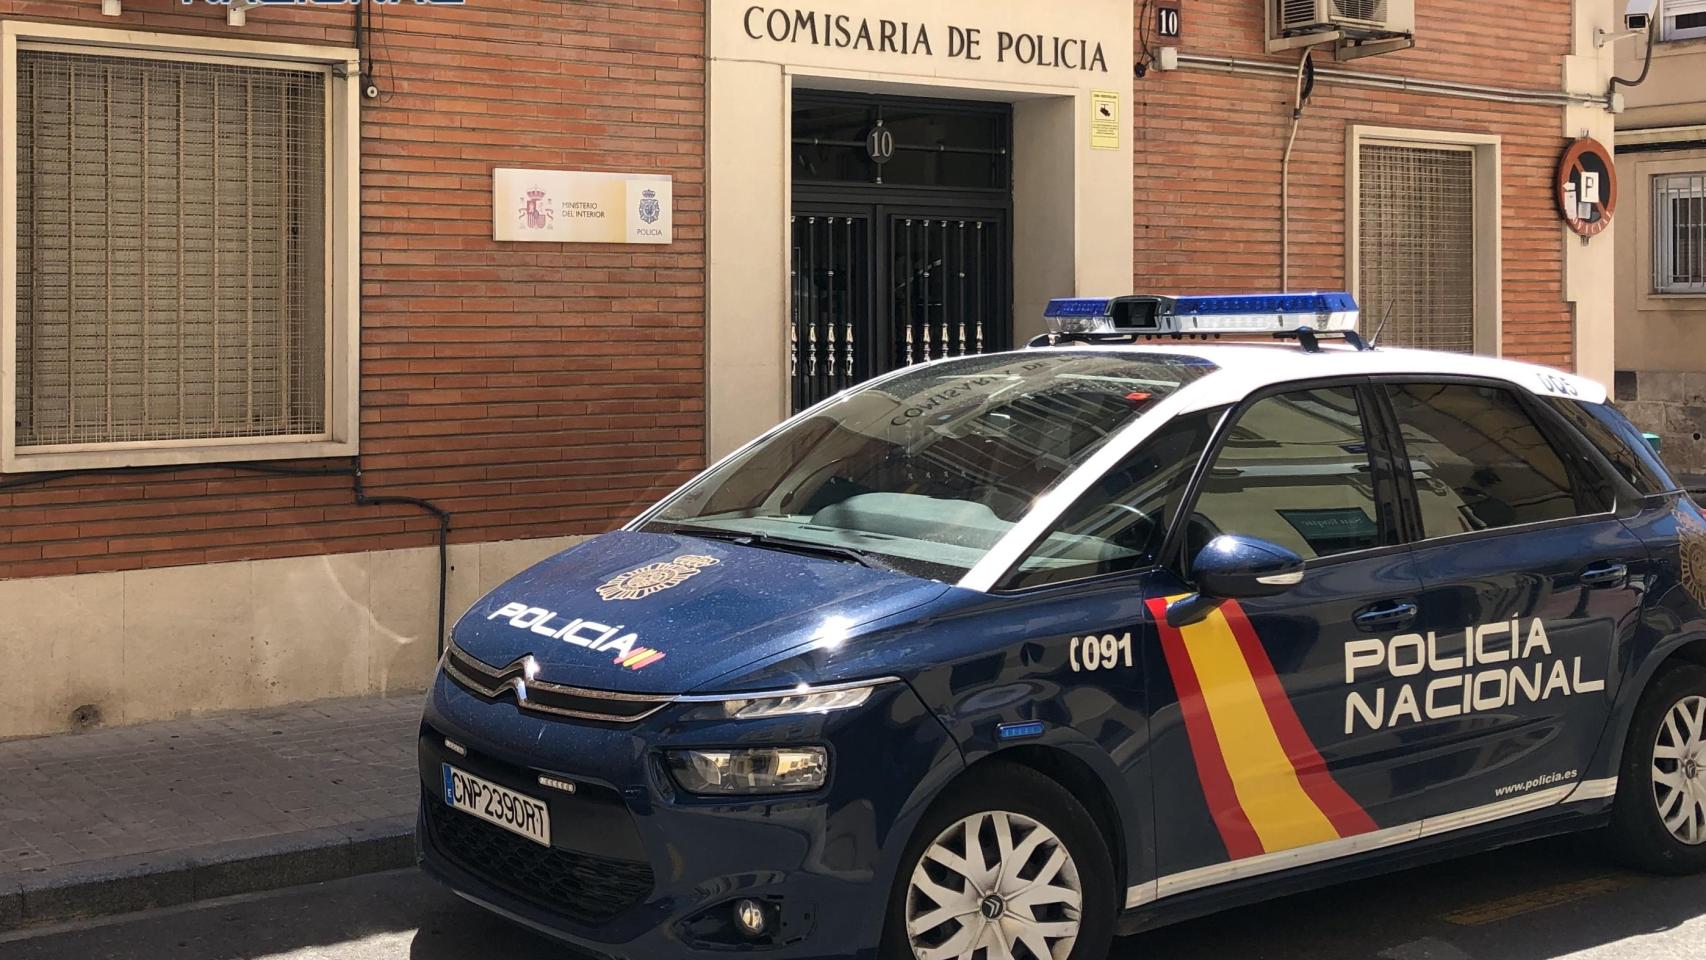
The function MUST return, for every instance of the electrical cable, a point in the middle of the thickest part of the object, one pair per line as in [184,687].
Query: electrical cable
[1646,64]
[1285,174]
[1146,59]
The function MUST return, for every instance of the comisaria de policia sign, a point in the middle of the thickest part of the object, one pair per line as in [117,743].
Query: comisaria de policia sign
[798,26]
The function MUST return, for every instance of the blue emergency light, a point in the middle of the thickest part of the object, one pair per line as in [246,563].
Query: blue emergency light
[1176,316]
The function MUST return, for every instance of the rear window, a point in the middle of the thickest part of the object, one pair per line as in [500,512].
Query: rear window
[1613,435]
[1479,461]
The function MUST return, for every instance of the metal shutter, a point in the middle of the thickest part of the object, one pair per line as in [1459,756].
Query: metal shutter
[171,250]
[1416,248]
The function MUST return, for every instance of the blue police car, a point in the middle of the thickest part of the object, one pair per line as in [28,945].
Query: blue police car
[996,656]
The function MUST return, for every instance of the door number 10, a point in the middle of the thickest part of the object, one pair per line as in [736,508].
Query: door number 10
[1101,653]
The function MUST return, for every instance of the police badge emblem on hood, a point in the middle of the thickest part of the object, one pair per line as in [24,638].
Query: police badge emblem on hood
[656,613]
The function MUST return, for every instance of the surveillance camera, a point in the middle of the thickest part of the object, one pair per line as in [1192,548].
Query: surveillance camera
[1638,14]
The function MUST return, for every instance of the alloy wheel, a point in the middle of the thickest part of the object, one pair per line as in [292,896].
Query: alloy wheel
[997,882]
[1679,771]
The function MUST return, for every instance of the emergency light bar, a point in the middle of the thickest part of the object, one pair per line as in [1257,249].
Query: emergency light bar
[1093,317]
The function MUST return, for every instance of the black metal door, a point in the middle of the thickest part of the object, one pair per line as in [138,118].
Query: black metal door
[829,343]
[925,284]
[946,284]
[901,260]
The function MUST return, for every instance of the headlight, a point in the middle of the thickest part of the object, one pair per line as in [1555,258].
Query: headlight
[782,703]
[738,772]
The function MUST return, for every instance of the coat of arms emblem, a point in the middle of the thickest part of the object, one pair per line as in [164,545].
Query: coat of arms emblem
[536,211]
[654,578]
[650,209]
[1691,538]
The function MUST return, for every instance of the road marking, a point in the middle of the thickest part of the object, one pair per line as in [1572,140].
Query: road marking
[1496,911]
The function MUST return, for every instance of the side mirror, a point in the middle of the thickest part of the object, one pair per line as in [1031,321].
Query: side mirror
[1235,568]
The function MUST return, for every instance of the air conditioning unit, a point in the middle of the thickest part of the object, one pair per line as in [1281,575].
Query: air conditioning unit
[1309,16]
[1376,25]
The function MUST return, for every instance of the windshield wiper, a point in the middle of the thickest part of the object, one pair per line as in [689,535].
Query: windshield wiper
[786,545]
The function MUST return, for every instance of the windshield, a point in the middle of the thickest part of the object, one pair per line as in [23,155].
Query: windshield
[926,471]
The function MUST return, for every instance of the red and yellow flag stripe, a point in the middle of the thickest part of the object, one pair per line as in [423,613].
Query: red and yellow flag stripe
[639,658]
[1267,787]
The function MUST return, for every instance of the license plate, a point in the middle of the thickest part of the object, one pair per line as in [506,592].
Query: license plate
[514,812]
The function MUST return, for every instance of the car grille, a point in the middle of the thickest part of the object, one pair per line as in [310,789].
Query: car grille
[581,887]
[494,683]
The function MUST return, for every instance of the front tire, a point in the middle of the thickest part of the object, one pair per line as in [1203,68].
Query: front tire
[1658,822]
[1007,862]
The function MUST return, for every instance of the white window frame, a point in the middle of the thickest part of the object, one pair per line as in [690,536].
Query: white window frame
[1661,238]
[1488,226]
[343,249]
[1669,10]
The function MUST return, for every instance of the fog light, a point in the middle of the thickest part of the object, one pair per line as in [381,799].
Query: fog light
[749,916]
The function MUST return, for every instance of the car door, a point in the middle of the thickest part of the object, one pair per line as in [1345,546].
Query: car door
[1249,706]
[1530,587]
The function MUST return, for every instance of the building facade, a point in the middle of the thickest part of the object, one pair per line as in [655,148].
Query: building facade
[1661,256]
[262,346]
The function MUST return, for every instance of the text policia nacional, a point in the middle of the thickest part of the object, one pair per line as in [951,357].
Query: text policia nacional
[1497,665]
[844,31]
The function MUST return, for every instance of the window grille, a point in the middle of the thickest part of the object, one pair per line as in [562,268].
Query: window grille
[171,250]
[1679,233]
[1416,245]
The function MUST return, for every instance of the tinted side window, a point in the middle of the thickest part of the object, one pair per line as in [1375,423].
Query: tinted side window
[1615,437]
[1294,470]
[1119,523]
[1479,459]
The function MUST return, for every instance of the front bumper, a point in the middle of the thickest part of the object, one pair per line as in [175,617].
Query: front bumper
[640,871]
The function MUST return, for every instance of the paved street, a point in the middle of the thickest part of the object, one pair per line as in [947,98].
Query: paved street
[1543,901]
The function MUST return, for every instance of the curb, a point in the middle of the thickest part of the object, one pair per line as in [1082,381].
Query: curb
[168,878]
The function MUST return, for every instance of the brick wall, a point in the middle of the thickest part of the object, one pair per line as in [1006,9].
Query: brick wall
[1209,147]
[540,390]
[532,389]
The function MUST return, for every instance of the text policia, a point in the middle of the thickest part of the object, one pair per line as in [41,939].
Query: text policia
[1515,664]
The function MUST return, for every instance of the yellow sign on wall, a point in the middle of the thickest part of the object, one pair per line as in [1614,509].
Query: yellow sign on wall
[1104,120]
[560,206]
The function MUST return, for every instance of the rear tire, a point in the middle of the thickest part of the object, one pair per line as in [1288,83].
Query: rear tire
[1658,821]
[1037,850]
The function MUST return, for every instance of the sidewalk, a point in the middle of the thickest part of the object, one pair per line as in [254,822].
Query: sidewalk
[138,817]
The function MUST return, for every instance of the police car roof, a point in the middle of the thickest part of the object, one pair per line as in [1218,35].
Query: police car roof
[1245,367]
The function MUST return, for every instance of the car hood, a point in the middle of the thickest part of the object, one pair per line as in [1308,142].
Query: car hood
[656,613]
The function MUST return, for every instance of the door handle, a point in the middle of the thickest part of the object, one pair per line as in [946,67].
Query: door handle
[1609,574]
[1385,616]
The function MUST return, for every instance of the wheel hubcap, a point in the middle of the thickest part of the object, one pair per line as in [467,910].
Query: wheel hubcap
[1679,762]
[996,882]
